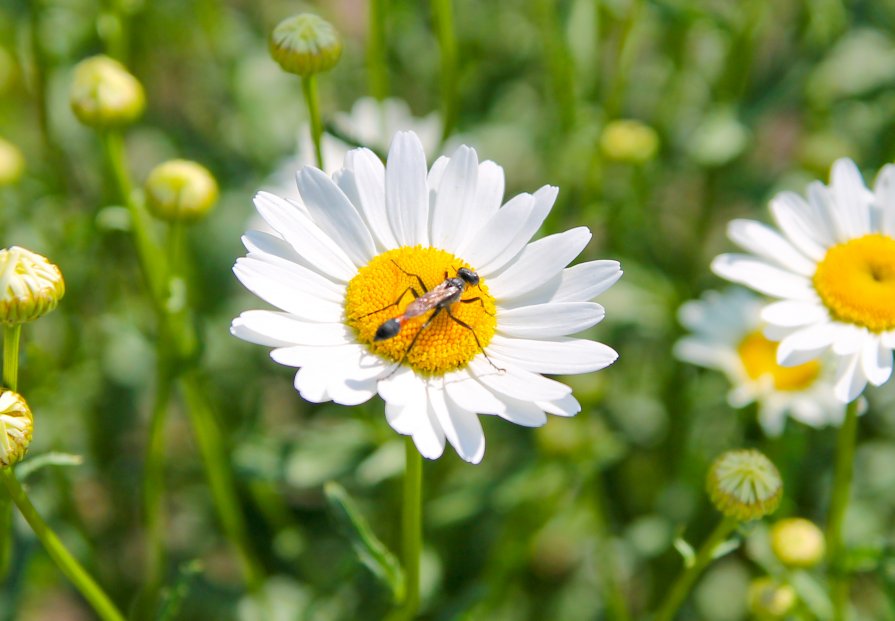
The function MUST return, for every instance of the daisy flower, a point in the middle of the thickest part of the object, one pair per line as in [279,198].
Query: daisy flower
[349,266]
[832,269]
[727,336]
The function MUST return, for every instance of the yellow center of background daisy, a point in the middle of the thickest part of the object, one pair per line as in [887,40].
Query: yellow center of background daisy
[759,357]
[856,281]
[444,345]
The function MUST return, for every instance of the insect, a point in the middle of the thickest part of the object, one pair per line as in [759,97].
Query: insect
[440,298]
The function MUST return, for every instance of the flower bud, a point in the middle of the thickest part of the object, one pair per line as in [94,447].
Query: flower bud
[797,542]
[769,599]
[104,94]
[180,190]
[744,485]
[30,286]
[305,44]
[12,163]
[16,425]
[629,141]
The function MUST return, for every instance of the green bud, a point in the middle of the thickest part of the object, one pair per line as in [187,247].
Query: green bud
[305,44]
[180,190]
[104,94]
[744,485]
[629,141]
[30,286]
[12,163]
[769,599]
[797,542]
[16,426]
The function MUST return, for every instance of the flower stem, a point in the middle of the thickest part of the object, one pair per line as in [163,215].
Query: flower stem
[57,551]
[443,15]
[11,337]
[675,597]
[309,88]
[411,531]
[842,477]
[377,68]
[153,482]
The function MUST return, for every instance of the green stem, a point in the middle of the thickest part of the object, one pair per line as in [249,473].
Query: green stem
[443,15]
[559,62]
[57,551]
[411,531]
[675,597]
[220,477]
[309,88]
[11,337]
[154,480]
[616,607]
[842,477]
[377,67]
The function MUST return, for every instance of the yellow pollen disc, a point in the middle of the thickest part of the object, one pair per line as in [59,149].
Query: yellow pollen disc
[856,281]
[382,291]
[759,357]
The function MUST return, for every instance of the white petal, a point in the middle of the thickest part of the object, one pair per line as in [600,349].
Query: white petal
[310,382]
[266,283]
[517,382]
[763,277]
[876,360]
[805,344]
[701,352]
[488,197]
[557,356]
[848,339]
[461,427]
[792,314]
[428,436]
[851,208]
[850,381]
[305,237]
[402,387]
[435,174]
[885,198]
[538,262]
[567,406]
[763,241]
[266,246]
[366,189]
[804,224]
[240,330]
[502,236]
[454,199]
[285,328]
[335,215]
[523,413]
[523,230]
[406,194]
[543,321]
[298,281]
[468,393]
[888,339]
[585,281]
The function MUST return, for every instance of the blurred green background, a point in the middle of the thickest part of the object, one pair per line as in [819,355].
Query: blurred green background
[744,99]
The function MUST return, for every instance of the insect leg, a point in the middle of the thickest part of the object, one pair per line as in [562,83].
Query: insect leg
[413,341]
[395,303]
[418,279]
[480,301]
[475,336]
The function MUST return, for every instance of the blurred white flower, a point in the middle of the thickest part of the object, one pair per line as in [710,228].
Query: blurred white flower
[727,335]
[833,271]
[417,285]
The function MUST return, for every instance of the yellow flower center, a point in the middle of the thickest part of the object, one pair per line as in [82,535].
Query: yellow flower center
[856,281]
[385,287]
[759,357]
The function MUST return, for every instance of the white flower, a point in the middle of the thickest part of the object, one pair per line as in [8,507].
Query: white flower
[727,336]
[833,271]
[361,245]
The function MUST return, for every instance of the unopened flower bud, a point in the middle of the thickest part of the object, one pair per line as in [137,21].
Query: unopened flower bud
[16,425]
[305,44]
[105,94]
[629,141]
[12,163]
[30,286]
[769,599]
[180,190]
[744,485]
[797,542]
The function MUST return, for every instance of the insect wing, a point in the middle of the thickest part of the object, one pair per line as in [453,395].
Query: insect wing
[438,296]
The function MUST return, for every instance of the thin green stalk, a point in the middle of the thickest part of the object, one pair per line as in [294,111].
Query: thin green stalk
[377,67]
[411,531]
[309,88]
[57,551]
[559,62]
[623,58]
[675,597]
[443,15]
[842,478]
[11,337]
[220,477]
[616,606]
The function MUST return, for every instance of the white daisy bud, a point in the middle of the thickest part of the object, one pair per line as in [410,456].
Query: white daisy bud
[744,485]
[797,542]
[305,44]
[769,599]
[181,190]
[16,425]
[12,163]
[629,141]
[30,286]
[104,94]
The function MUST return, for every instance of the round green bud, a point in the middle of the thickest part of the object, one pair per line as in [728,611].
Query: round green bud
[744,485]
[30,286]
[797,542]
[104,94]
[769,599]
[16,426]
[629,141]
[305,44]
[180,190]
[12,163]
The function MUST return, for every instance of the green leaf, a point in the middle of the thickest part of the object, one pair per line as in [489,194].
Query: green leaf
[686,551]
[369,549]
[813,594]
[30,466]
[174,596]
